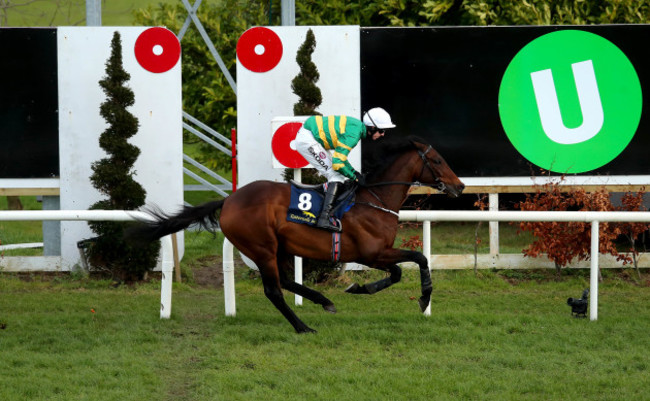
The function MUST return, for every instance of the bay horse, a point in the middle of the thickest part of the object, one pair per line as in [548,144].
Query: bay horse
[254,219]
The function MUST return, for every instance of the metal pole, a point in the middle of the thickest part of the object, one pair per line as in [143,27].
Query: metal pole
[93,13]
[288,12]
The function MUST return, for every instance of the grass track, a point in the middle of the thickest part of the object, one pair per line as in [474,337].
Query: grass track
[486,339]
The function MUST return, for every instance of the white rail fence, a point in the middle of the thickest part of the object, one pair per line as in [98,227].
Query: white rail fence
[167,262]
[167,265]
[594,218]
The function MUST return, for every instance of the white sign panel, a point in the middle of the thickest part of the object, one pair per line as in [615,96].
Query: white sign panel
[151,57]
[266,65]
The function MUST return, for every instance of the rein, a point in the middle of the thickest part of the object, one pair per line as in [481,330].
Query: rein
[383,209]
[439,185]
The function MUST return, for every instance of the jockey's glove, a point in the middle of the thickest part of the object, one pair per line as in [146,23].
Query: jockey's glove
[360,178]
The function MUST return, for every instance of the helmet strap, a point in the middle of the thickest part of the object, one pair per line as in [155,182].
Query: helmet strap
[371,120]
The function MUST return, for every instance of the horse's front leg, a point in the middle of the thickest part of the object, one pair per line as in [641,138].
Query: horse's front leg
[425,276]
[391,257]
[425,280]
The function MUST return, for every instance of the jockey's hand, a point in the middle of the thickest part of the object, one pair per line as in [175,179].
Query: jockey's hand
[360,178]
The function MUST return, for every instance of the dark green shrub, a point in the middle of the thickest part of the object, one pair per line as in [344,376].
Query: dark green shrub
[113,176]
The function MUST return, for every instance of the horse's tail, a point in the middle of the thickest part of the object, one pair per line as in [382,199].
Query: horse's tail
[205,215]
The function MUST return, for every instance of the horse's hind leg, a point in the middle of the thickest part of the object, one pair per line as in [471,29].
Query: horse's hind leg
[290,285]
[272,290]
[371,288]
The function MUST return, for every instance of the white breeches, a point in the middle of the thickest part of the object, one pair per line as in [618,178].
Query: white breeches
[316,155]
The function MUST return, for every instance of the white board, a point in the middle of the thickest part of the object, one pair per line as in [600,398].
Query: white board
[83,52]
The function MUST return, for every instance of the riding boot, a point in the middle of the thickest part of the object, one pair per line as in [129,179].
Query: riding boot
[324,220]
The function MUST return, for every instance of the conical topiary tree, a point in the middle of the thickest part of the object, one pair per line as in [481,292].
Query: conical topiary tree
[113,176]
[309,96]
[304,84]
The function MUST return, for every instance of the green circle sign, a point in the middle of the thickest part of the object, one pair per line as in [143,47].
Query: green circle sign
[570,101]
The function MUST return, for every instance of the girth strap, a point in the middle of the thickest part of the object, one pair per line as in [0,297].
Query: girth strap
[336,247]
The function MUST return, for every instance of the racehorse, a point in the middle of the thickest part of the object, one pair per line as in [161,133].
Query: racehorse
[254,219]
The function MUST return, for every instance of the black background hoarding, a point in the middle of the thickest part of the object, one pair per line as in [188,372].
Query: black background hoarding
[29,140]
[442,84]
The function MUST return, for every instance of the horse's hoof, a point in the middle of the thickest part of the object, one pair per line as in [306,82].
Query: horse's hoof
[306,330]
[353,288]
[424,303]
[330,308]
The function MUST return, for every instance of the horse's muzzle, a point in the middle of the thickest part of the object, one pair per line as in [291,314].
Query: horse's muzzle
[454,191]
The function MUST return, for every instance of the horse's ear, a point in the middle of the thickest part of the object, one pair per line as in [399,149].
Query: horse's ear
[417,143]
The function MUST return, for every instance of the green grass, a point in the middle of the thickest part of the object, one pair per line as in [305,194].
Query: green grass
[486,339]
[458,237]
[73,12]
[20,232]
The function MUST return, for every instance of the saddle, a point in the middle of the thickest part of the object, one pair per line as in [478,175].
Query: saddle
[307,201]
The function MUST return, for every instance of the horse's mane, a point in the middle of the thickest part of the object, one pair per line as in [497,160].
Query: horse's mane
[379,155]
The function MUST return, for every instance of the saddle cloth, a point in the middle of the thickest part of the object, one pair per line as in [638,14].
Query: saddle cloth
[307,202]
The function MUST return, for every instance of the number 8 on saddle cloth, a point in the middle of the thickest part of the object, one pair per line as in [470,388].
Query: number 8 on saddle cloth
[307,202]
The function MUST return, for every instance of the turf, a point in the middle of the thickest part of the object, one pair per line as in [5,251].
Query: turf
[489,337]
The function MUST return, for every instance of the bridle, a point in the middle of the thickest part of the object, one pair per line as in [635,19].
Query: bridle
[439,185]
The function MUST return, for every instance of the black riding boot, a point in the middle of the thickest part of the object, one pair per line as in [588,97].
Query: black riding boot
[324,218]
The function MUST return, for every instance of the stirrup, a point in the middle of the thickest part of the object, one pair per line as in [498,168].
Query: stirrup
[331,224]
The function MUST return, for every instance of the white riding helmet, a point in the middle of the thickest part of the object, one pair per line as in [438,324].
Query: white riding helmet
[378,117]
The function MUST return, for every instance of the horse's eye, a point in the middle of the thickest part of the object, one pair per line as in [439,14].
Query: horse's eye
[437,161]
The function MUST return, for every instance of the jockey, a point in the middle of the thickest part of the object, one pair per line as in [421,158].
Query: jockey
[338,134]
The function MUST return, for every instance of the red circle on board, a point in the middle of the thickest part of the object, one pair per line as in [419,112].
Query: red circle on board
[259,49]
[280,144]
[157,50]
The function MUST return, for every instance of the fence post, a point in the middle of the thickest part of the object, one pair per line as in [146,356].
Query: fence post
[228,278]
[297,260]
[493,200]
[593,290]
[167,269]
[426,249]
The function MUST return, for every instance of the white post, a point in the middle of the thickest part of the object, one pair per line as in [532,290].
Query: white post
[426,249]
[93,13]
[493,200]
[593,290]
[228,278]
[167,270]
[297,260]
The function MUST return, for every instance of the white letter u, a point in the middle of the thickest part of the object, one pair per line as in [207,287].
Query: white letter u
[549,106]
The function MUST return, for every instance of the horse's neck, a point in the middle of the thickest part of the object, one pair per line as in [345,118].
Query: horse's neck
[394,195]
